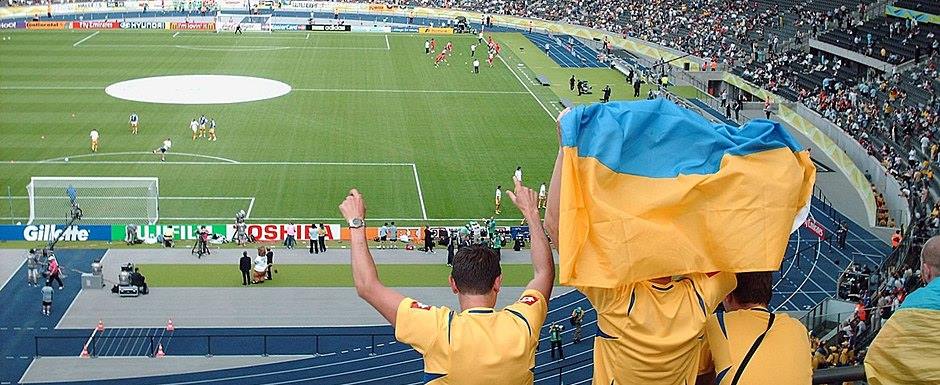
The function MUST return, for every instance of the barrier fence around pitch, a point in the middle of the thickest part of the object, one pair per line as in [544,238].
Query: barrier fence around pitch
[100,345]
[561,369]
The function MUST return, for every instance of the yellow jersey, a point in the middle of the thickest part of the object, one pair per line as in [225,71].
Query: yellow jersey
[782,356]
[477,346]
[650,333]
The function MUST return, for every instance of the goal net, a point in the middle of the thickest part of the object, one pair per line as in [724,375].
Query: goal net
[103,200]
[250,23]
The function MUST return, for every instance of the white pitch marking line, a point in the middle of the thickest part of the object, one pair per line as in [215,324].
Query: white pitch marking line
[424,212]
[232,49]
[41,88]
[233,163]
[387,46]
[56,160]
[410,91]
[229,47]
[163,198]
[308,36]
[86,38]
[176,34]
[250,206]
[324,219]
[49,88]
[527,88]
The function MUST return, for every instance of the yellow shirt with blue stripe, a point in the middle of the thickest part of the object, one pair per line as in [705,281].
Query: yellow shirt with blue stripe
[477,346]
[652,333]
[907,349]
[783,356]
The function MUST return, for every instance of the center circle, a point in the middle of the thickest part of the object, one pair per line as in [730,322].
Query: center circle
[198,89]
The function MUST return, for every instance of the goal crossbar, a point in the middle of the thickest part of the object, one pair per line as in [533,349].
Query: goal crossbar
[102,199]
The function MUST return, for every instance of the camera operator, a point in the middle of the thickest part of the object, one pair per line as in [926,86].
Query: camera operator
[201,247]
[138,279]
[130,235]
[76,212]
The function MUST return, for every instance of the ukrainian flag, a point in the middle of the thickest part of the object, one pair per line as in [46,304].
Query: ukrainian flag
[650,189]
[905,350]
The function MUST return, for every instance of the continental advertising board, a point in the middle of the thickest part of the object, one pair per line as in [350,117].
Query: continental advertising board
[46,25]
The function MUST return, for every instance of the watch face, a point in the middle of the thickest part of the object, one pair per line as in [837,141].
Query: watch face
[356,222]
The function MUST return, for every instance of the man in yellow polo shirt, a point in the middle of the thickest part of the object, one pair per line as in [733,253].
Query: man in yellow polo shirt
[747,344]
[906,349]
[477,345]
[650,332]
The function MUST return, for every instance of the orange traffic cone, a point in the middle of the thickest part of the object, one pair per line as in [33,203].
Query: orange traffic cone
[169,325]
[84,352]
[100,327]
[160,352]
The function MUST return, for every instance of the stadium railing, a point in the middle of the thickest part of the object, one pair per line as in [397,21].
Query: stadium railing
[839,375]
[560,370]
[201,344]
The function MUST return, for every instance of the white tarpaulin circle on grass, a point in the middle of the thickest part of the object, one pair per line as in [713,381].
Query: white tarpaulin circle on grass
[198,89]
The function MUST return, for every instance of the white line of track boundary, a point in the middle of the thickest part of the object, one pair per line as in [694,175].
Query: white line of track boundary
[10,278]
[799,289]
[68,309]
[86,38]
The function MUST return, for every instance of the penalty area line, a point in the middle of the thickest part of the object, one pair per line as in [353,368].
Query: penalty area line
[424,211]
[251,205]
[86,38]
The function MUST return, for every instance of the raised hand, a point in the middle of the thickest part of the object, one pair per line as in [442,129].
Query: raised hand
[353,206]
[525,199]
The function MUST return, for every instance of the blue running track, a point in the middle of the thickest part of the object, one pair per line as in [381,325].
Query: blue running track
[580,56]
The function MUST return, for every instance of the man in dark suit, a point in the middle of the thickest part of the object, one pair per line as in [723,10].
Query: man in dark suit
[270,255]
[244,264]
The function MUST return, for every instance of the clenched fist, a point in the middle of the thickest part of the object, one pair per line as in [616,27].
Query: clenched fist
[353,206]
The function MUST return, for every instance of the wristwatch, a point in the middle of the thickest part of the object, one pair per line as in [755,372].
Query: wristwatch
[356,223]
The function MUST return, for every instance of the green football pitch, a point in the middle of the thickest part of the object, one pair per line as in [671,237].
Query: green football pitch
[370,111]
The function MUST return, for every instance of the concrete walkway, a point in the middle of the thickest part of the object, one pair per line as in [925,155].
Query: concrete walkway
[252,306]
[60,369]
[246,307]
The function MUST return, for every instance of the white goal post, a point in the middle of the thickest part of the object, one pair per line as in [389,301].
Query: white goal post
[103,200]
[227,22]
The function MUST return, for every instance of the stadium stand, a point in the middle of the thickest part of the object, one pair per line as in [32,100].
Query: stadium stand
[895,117]
[887,39]
[926,6]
